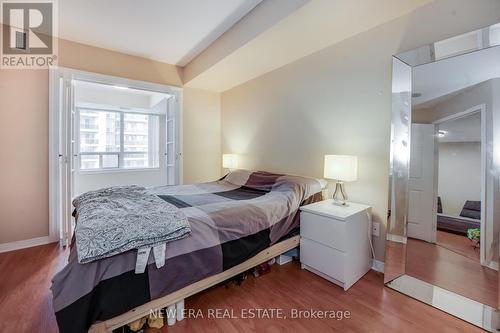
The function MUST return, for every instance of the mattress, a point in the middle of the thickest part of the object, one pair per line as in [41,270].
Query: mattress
[231,220]
[456,224]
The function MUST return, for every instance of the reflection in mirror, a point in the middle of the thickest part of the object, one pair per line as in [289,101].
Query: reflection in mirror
[442,243]
[399,158]
[474,312]
[451,186]
[451,47]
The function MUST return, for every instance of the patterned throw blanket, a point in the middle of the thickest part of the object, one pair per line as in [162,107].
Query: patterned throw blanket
[231,221]
[116,219]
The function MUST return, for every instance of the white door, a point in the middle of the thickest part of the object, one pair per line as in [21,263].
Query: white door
[422,187]
[172,154]
[62,156]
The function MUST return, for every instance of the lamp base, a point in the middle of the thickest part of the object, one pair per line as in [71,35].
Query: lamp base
[339,195]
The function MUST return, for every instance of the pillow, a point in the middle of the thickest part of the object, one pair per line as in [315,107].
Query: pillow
[473,205]
[266,181]
[472,209]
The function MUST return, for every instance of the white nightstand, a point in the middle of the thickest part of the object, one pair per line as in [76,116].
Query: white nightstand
[334,241]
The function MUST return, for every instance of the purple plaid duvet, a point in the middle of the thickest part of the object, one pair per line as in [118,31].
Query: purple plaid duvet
[231,220]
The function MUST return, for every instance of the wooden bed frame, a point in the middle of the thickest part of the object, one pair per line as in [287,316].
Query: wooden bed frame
[179,295]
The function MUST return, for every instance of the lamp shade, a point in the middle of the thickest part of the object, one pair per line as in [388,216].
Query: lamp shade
[341,167]
[230,161]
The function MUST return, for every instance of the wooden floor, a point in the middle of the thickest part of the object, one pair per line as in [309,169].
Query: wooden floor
[25,298]
[459,244]
[395,260]
[25,301]
[452,271]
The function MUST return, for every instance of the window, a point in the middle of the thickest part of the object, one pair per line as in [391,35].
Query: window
[115,139]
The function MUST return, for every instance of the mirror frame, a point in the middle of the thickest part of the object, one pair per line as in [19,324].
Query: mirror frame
[467,309]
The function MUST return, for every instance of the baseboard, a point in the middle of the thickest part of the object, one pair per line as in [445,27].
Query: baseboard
[493,265]
[22,244]
[396,238]
[378,265]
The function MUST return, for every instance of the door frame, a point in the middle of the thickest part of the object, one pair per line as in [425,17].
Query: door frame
[56,72]
[481,108]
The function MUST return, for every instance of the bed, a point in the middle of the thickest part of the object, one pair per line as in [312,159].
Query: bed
[236,222]
[470,218]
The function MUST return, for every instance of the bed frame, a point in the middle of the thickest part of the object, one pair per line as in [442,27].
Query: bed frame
[179,295]
[456,224]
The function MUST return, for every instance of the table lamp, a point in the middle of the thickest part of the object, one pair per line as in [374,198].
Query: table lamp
[230,161]
[342,168]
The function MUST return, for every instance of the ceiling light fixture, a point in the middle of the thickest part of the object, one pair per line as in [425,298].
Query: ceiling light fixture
[442,133]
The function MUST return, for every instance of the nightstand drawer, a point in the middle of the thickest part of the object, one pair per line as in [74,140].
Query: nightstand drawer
[323,258]
[327,231]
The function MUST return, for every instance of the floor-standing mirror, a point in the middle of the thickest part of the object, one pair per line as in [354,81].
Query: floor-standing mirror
[443,230]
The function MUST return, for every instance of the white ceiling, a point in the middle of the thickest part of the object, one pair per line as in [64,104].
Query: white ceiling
[447,76]
[171,31]
[466,129]
[312,27]
[180,31]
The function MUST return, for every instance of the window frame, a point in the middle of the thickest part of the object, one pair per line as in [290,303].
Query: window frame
[121,153]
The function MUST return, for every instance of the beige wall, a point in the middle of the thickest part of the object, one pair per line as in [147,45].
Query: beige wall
[201,136]
[457,159]
[24,184]
[338,101]
[98,60]
[24,132]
